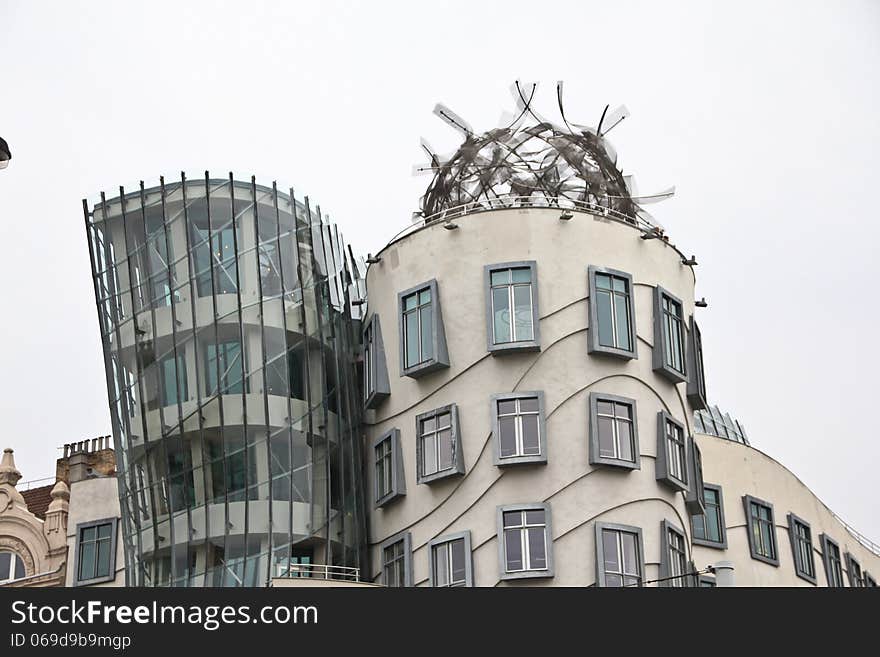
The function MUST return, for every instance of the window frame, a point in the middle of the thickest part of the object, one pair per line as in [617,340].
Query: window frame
[662,472]
[457,456]
[854,582]
[468,557]
[406,538]
[600,550]
[14,559]
[522,345]
[748,500]
[659,351]
[594,444]
[793,539]
[398,478]
[114,531]
[870,582]
[593,346]
[694,497]
[705,542]
[666,528]
[825,540]
[377,387]
[696,383]
[440,359]
[541,456]
[549,571]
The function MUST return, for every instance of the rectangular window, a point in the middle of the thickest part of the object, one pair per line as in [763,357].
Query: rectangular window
[672,452]
[438,445]
[669,336]
[761,530]
[708,528]
[388,473]
[96,551]
[376,384]
[831,557]
[525,541]
[173,373]
[614,436]
[673,559]
[451,560]
[696,385]
[224,363]
[422,339]
[854,571]
[512,307]
[620,559]
[612,328]
[397,561]
[802,548]
[518,427]
[694,498]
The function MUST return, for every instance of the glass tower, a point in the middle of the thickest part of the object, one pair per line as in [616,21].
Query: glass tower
[229,347]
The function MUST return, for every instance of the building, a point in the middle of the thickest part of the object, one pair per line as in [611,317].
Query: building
[64,533]
[230,352]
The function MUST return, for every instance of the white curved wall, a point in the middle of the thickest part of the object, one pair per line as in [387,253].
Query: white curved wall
[578,493]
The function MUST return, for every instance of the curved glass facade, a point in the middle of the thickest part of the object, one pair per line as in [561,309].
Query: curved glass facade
[229,348]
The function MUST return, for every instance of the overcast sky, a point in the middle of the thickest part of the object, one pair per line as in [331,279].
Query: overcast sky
[764,115]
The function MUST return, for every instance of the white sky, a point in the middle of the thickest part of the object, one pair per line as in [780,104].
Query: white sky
[764,115]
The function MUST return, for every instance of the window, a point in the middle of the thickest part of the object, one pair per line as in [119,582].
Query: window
[422,338]
[708,528]
[397,561]
[620,558]
[95,552]
[376,385]
[696,385]
[512,307]
[219,254]
[173,373]
[519,429]
[438,444]
[612,328]
[707,582]
[761,530]
[854,572]
[669,336]
[525,541]
[673,557]
[671,452]
[614,437]
[389,476]
[831,557]
[802,548]
[694,498]
[11,567]
[224,359]
[451,560]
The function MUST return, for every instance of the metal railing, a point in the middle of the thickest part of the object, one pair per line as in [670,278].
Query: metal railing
[319,571]
[34,483]
[866,542]
[523,202]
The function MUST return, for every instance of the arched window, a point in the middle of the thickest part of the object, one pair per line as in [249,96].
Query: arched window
[11,567]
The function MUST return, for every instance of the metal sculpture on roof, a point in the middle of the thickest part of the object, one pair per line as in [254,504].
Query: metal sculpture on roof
[532,161]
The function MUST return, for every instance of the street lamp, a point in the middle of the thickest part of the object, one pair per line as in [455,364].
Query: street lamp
[5,153]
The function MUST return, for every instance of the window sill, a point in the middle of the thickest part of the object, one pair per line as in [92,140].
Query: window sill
[617,464]
[503,462]
[672,375]
[624,354]
[709,544]
[674,483]
[527,574]
[514,347]
[387,499]
[375,399]
[767,560]
[437,476]
[417,371]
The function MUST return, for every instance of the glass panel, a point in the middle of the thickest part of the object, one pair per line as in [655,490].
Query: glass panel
[507,436]
[103,568]
[528,405]
[512,518]
[603,307]
[425,296]
[89,534]
[5,565]
[506,407]
[458,560]
[429,457]
[699,526]
[86,560]
[622,319]
[605,408]
[522,300]
[603,281]
[535,517]
[630,554]
[606,437]
[445,439]
[444,420]
[429,424]
[530,435]
[409,302]
[501,315]
[104,531]
[500,277]
[613,580]
[537,549]
[619,285]
[427,333]
[624,429]
[441,565]
[513,550]
[609,547]
[411,333]
[19,568]
[522,275]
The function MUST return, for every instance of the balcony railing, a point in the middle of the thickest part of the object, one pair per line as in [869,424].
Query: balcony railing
[319,571]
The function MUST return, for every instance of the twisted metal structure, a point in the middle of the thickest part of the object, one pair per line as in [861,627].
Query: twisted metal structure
[526,163]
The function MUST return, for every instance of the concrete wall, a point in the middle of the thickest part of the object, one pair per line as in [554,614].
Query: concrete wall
[94,499]
[578,493]
[743,470]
